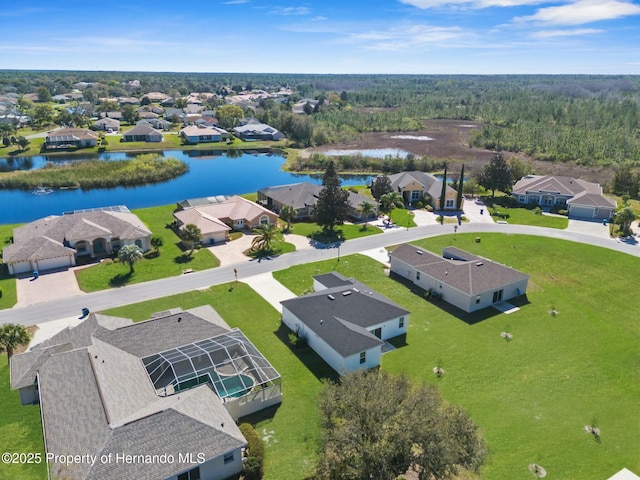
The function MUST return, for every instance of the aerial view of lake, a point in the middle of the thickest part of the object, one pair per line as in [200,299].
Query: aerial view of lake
[210,173]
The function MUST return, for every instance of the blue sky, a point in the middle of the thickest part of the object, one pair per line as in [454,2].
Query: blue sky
[329,36]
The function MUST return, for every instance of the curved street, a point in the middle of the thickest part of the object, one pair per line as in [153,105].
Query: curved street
[68,307]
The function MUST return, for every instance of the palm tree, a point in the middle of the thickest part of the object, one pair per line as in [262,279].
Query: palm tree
[287,212]
[156,242]
[266,236]
[12,336]
[391,200]
[367,208]
[130,254]
[190,235]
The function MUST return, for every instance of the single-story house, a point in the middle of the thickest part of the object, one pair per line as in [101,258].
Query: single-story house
[56,241]
[257,131]
[107,123]
[581,199]
[460,278]
[115,114]
[146,115]
[156,96]
[416,185]
[345,322]
[202,134]
[171,385]
[141,133]
[215,220]
[303,198]
[157,123]
[76,137]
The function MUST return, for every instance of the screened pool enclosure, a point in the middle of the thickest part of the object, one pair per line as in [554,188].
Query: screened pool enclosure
[230,363]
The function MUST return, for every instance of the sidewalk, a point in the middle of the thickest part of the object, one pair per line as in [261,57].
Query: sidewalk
[270,289]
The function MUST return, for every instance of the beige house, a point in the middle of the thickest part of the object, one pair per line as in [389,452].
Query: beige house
[56,241]
[415,185]
[141,133]
[71,137]
[216,220]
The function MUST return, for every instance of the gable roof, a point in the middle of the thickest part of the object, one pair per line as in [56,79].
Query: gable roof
[140,130]
[305,194]
[68,134]
[461,270]
[255,129]
[198,131]
[342,314]
[555,184]
[432,185]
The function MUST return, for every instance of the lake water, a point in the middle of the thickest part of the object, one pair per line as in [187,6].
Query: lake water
[210,173]
[369,152]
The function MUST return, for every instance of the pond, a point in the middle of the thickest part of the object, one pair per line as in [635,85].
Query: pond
[369,152]
[210,173]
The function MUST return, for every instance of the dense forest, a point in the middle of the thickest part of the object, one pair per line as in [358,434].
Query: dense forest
[589,120]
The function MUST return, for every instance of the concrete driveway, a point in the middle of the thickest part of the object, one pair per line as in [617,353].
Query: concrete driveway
[48,286]
[588,227]
[233,252]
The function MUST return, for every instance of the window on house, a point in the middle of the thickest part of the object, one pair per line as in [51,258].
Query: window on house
[363,357]
[228,457]
[193,474]
[448,204]
[477,299]
[401,322]
[497,296]
[417,275]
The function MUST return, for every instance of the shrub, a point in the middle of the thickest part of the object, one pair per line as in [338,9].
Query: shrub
[429,208]
[537,211]
[562,211]
[419,205]
[253,465]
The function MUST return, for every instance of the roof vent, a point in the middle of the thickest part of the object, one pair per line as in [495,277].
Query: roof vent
[179,319]
[321,321]
[479,264]
[355,290]
[418,252]
[331,297]
[347,293]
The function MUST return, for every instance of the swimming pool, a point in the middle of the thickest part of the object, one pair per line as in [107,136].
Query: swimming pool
[234,386]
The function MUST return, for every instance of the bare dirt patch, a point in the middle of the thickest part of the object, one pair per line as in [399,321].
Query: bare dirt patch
[451,142]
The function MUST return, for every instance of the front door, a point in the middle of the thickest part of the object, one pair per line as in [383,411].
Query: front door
[378,332]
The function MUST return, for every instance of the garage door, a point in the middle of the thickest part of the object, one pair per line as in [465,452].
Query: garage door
[51,263]
[581,212]
[21,267]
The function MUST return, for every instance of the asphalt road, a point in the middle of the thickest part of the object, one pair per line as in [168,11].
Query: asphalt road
[68,307]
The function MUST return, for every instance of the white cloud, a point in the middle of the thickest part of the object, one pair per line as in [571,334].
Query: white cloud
[404,38]
[581,12]
[543,34]
[319,19]
[235,2]
[290,11]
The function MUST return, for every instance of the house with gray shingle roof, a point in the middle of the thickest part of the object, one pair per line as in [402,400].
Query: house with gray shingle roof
[303,198]
[460,278]
[142,133]
[582,199]
[257,131]
[56,241]
[166,391]
[71,137]
[345,322]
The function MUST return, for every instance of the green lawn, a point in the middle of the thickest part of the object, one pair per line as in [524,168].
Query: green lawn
[21,430]
[172,260]
[7,284]
[531,396]
[346,232]
[402,217]
[523,216]
[291,428]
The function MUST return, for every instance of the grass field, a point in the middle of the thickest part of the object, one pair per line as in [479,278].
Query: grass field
[7,284]
[21,430]
[523,216]
[402,217]
[532,396]
[170,261]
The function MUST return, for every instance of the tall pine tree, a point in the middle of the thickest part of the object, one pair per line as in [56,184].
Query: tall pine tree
[332,207]
[443,194]
[460,186]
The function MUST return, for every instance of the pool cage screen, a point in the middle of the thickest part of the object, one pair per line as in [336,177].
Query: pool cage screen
[229,362]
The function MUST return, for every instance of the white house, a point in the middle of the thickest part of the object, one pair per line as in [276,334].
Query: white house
[462,279]
[171,385]
[416,185]
[345,322]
